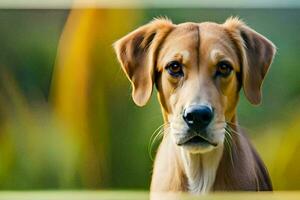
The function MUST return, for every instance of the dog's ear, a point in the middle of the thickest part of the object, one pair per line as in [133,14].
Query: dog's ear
[257,53]
[137,54]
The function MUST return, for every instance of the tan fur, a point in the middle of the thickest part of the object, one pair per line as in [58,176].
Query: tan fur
[144,55]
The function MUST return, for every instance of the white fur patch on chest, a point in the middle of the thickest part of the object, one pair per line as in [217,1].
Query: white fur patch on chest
[201,170]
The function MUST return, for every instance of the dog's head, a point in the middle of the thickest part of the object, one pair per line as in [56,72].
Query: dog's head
[198,70]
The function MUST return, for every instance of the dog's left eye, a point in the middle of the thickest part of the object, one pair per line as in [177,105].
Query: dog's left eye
[174,68]
[224,68]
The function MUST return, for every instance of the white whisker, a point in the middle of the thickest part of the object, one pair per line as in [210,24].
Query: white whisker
[157,134]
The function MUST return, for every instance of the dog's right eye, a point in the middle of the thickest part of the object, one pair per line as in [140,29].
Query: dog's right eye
[174,68]
[224,68]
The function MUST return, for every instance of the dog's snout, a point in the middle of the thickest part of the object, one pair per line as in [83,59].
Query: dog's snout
[198,117]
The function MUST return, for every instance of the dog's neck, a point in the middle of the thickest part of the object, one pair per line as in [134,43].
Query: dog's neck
[201,169]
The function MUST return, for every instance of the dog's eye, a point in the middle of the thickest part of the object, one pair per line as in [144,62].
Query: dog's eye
[224,68]
[174,68]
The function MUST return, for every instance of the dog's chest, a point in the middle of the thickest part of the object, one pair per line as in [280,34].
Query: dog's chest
[201,170]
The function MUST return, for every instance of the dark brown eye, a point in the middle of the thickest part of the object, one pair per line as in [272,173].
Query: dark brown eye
[174,68]
[224,68]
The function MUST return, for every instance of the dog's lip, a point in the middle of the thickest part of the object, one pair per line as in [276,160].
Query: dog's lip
[186,140]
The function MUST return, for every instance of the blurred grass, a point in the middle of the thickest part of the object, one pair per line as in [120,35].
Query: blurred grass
[279,146]
[32,143]
[70,96]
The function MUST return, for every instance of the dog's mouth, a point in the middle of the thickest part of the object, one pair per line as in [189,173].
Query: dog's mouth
[197,140]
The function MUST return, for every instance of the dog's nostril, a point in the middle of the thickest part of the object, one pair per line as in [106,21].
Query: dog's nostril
[198,117]
[189,118]
[206,116]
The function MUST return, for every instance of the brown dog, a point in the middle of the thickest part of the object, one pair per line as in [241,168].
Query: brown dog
[199,69]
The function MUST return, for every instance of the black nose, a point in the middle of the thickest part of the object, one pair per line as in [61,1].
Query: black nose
[198,117]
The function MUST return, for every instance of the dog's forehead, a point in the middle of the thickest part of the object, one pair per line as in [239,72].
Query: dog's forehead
[181,42]
[216,42]
[187,32]
[193,31]
[213,33]
[190,39]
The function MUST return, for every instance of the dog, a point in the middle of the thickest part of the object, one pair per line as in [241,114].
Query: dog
[199,70]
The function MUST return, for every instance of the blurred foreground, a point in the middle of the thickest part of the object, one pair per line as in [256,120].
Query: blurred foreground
[138,195]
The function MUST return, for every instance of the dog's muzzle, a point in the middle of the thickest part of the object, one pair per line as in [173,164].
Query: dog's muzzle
[198,118]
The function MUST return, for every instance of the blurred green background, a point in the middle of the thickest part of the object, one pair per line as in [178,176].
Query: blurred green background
[67,120]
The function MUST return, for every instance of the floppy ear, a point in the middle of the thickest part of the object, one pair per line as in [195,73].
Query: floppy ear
[137,54]
[257,53]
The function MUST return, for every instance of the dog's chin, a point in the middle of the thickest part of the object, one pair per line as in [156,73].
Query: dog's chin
[198,149]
